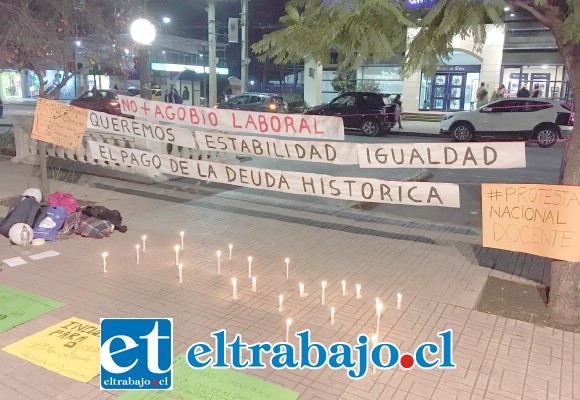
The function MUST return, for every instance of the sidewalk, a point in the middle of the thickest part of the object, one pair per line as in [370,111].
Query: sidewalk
[497,358]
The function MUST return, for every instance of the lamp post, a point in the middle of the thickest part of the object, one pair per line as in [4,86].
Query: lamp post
[143,32]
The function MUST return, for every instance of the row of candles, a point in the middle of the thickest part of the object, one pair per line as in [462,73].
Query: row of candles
[378,304]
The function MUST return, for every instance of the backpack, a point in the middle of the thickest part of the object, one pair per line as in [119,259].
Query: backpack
[25,211]
[49,226]
[104,214]
[65,200]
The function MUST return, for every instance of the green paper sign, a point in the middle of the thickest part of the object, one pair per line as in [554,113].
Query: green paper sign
[18,307]
[213,384]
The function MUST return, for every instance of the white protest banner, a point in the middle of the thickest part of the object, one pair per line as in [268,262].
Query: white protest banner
[163,163]
[443,155]
[101,122]
[236,121]
[326,152]
[344,188]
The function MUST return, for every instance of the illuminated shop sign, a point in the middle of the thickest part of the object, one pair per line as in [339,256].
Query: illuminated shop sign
[183,67]
[420,3]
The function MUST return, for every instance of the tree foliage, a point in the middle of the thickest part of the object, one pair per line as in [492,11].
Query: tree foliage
[41,34]
[364,31]
[359,30]
[344,80]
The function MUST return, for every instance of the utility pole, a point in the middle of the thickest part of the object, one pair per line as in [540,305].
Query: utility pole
[245,60]
[212,54]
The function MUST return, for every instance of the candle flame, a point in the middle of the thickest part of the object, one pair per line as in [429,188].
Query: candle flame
[323,284]
[105,254]
[219,253]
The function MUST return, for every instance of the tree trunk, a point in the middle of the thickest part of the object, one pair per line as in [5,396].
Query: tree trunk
[565,276]
[44,185]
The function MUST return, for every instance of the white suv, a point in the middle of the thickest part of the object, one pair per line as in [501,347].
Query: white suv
[517,117]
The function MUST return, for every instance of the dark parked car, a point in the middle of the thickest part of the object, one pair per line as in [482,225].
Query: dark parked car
[101,100]
[263,102]
[360,110]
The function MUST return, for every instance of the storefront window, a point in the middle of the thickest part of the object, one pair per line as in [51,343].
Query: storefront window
[387,77]
[10,84]
[551,80]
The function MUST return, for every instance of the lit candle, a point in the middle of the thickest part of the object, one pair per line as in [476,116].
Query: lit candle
[177,255]
[343,288]
[137,249]
[332,316]
[144,237]
[219,255]
[281,303]
[180,266]
[254,284]
[323,289]
[182,233]
[287,263]
[358,295]
[288,323]
[399,299]
[379,310]
[374,341]
[231,246]
[249,267]
[234,289]
[301,286]
[105,255]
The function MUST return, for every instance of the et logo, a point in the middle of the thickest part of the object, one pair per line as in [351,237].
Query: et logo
[136,354]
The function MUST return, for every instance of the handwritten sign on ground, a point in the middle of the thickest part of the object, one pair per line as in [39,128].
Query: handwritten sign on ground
[236,121]
[442,155]
[101,122]
[343,188]
[59,124]
[18,307]
[214,384]
[537,219]
[70,348]
[326,152]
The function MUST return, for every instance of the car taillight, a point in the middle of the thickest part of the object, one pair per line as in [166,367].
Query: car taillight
[383,110]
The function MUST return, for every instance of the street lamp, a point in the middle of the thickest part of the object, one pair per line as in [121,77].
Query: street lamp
[143,32]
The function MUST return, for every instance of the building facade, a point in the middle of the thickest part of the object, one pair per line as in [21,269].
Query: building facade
[520,53]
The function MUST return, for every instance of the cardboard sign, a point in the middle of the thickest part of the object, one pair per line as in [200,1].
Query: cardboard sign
[326,152]
[236,121]
[214,384]
[537,219]
[343,188]
[59,124]
[442,155]
[101,122]
[18,307]
[70,348]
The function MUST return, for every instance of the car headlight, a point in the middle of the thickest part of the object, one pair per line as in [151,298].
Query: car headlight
[448,116]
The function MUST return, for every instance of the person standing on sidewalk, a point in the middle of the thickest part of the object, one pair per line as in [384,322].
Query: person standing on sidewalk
[398,110]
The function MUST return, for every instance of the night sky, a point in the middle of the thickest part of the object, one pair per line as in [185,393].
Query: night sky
[189,19]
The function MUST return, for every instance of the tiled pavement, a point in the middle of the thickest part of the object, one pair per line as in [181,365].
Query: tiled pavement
[435,267]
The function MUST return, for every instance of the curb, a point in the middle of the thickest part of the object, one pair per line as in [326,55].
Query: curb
[417,134]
